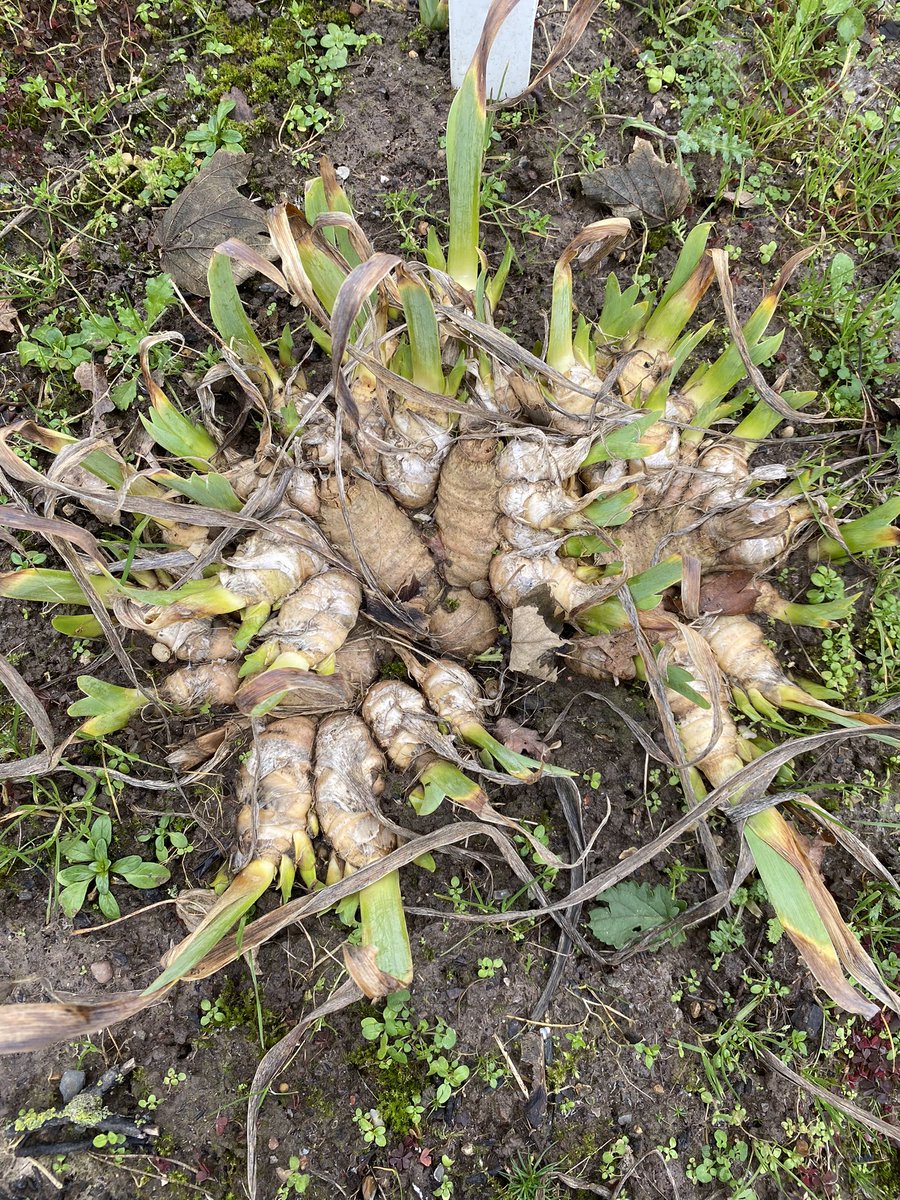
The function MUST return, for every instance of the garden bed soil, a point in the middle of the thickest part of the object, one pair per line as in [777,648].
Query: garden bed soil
[598,1083]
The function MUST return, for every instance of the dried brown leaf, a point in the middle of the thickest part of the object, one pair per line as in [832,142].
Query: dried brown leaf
[28,701]
[534,644]
[729,595]
[209,211]
[307,691]
[201,748]
[754,374]
[193,905]
[576,23]
[91,378]
[604,656]
[7,316]
[49,527]
[28,1027]
[242,111]
[521,739]
[645,187]
[353,294]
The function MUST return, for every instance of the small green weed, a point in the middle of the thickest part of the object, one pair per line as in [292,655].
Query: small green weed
[114,1142]
[168,840]
[769,85]
[883,635]
[27,558]
[839,665]
[854,361]
[613,1158]
[419,1071]
[217,133]
[545,876]
[314,77]
[876,917]
[529,1177]
[568,1059]
[371,1126]
[647,1053]
[412,210]
[490,1070]
[118,333]
[74,112]
[93,868]
[488,967]
[211,1014]
[294,1182]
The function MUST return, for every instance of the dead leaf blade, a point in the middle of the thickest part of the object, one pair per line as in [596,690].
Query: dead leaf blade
[645,187]
[209,211]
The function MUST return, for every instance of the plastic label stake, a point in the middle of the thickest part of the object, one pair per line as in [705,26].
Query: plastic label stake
[509,65]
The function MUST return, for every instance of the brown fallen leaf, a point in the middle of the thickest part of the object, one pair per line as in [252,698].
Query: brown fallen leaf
[91,378]
[644,188]
[729,594]
[742,199]
[193,905]
[242,110]
[209,211]
[605,656]
[533,644]
[7,316]
[522,740]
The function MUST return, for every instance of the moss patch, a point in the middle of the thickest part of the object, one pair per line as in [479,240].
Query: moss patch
[264,52]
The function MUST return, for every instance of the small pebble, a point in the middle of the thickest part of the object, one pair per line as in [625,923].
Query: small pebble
[273,1143]
[808,1018]
[70,1085]
[342,172]
[625,1119]
[102,971]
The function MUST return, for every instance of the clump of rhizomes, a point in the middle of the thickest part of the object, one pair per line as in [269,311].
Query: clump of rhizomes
[452,481]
